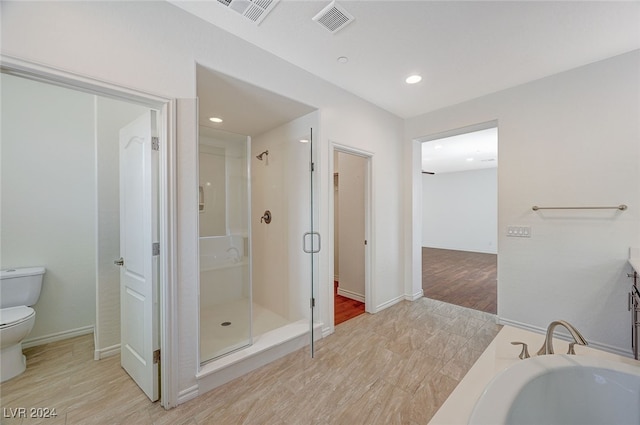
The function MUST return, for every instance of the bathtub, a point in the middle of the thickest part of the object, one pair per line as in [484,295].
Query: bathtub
[500,361]
[561,389]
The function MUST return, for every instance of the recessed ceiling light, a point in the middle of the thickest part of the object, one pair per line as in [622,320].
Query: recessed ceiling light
[215,119]
[304,140]
[437,147]
[343,59]
[412,79]
[469,159]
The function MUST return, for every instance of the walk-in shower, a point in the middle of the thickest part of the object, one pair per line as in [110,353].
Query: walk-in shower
[254,273]
[255,205]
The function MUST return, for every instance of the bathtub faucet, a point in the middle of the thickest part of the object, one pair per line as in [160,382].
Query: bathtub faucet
[547,347]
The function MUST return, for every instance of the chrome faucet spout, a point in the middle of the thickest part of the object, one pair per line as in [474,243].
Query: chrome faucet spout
[547,347]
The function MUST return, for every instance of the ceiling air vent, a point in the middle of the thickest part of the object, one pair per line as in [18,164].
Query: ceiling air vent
[254,10]
[333,17]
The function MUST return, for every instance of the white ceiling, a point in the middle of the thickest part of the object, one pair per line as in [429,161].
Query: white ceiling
[463,152]
[462,49]
[245,109]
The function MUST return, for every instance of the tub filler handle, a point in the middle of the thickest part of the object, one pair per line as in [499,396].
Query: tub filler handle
[524,354]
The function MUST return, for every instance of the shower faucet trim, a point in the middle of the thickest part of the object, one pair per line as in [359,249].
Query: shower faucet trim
[266,217]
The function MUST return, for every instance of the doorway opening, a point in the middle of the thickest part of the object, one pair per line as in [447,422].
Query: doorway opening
[460,216]
[69,167]
[351,198]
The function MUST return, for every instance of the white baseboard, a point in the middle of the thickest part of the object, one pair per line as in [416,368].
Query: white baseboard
[350,295]
[103,353]
[388,304]
[415,296]
[58,336]
[188,394]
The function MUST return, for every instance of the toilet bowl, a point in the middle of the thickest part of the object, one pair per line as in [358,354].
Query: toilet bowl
[19,289]
[15,324]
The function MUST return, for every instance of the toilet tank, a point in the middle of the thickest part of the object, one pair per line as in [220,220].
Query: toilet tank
[20,286]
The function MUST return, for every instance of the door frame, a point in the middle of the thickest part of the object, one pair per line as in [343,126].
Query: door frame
[168,306]
[369,295]
[417,201]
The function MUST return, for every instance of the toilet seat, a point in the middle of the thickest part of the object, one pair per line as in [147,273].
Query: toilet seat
[12,316]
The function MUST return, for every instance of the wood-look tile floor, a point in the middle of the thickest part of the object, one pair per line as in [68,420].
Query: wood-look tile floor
[396,366]
[467,279]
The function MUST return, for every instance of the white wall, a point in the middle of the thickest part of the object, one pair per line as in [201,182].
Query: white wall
[569,139]
[280,184]
[153,47]
[351,216]
[460,210]
[48,199]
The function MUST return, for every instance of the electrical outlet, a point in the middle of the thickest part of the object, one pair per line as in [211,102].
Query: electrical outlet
[519,231]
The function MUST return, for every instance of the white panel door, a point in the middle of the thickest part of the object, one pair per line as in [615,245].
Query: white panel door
[139,263]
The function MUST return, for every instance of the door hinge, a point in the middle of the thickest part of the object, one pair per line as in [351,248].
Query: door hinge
[156,356]
[313,166]
[155,143]
[155,248]
[365,241]
[313,302]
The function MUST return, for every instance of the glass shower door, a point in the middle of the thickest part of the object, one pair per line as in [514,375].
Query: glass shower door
[223,209]
[312,242]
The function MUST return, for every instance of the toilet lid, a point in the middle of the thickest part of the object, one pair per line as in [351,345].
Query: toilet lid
[13,315]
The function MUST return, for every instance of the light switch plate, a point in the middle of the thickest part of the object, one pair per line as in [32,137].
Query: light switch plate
[519,231]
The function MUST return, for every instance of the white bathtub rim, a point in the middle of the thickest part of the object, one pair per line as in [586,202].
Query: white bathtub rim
[495,401]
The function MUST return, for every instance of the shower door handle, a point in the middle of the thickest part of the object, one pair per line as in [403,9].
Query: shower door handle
[308,236]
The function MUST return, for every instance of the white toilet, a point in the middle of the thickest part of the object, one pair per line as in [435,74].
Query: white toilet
[19,289]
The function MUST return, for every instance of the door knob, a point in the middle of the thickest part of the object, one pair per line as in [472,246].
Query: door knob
[119,262]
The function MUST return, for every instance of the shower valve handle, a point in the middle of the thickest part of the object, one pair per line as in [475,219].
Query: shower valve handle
[266,217]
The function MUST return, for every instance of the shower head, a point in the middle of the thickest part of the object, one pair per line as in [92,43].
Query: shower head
[263,153]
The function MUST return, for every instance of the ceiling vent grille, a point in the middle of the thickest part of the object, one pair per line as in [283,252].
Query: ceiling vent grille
[254,10]
[333,17]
